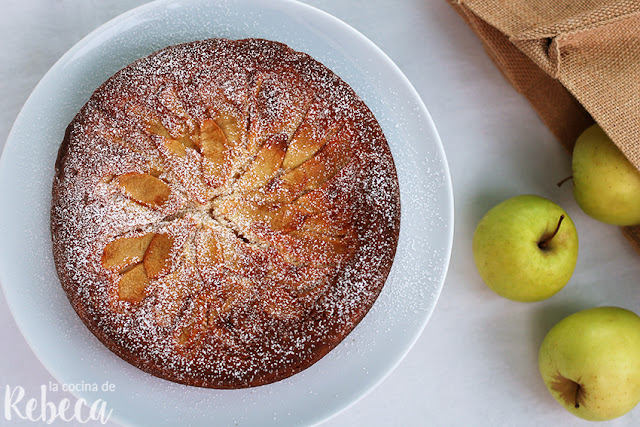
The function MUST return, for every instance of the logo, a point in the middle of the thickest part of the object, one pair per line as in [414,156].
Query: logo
[43,409]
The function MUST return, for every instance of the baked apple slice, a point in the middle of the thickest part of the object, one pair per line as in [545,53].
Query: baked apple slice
[125,252]
[132,284]
[145,189]
[214,147]
[265,165]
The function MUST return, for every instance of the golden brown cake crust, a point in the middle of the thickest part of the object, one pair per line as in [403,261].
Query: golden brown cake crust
[224,212]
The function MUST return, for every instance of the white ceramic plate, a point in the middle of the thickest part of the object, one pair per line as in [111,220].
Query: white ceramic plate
[364,358]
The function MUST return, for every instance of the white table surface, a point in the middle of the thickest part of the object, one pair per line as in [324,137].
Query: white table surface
[476,361]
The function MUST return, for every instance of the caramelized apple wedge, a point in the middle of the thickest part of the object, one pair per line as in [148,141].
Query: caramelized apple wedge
[213,146]
[307,247]
[174,144]
[231,128]
[144,189]
[175,147]
[125,252]
[314,132]
[323,166]
[218,246]
[208,252]
[157,259]
[275,110]
[132,284]
[330,223]
[265,165]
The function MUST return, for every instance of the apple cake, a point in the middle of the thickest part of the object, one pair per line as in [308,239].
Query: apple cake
[224,212]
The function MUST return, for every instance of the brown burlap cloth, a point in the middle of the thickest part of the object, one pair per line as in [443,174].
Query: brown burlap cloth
[576,61]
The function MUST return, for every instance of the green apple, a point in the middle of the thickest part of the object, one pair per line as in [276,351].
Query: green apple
[590,362]
[526,248]
[605,184]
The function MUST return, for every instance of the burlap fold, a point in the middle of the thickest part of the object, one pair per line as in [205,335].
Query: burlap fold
[576,61]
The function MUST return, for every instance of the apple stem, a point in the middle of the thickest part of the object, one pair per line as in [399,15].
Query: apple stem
[545,242]
[577,405]
[564,180]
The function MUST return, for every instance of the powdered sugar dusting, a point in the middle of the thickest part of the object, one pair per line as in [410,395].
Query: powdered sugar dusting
[280,238]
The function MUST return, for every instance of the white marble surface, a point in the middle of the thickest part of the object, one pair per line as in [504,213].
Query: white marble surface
[476,362]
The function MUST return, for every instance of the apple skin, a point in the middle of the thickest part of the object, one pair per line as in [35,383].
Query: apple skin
[506,251]
[605,184]
[594,356]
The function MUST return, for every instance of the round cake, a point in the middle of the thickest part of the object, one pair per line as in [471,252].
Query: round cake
[224,212]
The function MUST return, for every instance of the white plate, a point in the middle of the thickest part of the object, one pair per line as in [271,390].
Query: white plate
[364,358]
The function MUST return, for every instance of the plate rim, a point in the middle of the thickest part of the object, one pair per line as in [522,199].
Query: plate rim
[448,209]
